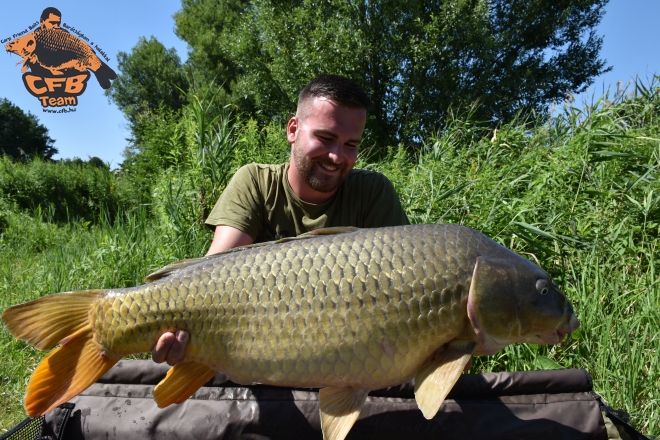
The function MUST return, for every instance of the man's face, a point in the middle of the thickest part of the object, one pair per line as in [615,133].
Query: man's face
[325,137]
[52,22]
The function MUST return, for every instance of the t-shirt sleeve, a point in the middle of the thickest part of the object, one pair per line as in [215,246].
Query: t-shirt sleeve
[240,205]
[384,205]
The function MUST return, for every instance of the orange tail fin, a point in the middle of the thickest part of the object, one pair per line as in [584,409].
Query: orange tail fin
[45,321]
[74,366]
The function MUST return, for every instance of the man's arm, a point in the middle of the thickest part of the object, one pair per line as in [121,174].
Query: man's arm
[228,237]
[171,347]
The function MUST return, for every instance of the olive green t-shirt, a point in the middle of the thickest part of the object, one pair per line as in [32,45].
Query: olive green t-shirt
[260,202]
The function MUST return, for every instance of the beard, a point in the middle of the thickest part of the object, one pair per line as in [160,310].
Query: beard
[316,178]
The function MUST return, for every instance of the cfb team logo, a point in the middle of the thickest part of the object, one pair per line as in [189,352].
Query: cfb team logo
[56,64]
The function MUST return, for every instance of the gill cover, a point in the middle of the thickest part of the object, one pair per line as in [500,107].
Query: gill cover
[513,300]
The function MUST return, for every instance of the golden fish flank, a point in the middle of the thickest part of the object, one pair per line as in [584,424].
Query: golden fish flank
[346,310]
[326,311]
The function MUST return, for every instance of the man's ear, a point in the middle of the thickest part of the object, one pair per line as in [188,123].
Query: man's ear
[292,129]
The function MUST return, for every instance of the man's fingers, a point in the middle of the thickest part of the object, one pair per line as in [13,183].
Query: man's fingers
[178,348]
[160,351]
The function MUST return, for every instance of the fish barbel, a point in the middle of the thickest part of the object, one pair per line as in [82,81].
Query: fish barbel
[344,309]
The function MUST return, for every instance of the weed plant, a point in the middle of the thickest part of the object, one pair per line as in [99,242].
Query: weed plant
[578,193]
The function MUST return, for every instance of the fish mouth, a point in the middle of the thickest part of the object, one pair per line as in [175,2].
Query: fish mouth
[551,337]
[567,327]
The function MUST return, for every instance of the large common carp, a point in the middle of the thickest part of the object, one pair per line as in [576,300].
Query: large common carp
[343,309]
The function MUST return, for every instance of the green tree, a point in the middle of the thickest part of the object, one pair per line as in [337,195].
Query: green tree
[150,77]
[207,26]
[21,134]
[417,58]
[156,136]
[151,91]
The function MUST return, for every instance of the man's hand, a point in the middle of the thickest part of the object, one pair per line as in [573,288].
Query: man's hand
[170,348]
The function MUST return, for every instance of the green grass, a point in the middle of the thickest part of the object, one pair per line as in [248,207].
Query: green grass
[579,194]
[40,257]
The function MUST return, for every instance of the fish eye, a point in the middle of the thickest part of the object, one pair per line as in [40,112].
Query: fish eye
[542,286]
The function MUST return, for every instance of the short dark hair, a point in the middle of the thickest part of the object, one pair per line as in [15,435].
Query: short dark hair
[337,88]
[50,10]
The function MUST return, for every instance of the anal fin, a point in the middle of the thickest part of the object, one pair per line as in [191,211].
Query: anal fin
[181,382]
[340,408]
[434,381]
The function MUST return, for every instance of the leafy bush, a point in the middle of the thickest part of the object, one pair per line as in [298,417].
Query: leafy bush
[6,208]
[540,187]
[71,190]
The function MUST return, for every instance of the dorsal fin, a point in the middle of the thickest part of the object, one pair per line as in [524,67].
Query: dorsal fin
[330,231]
[167,270]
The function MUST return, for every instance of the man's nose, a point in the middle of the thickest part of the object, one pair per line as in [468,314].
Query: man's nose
[336,152]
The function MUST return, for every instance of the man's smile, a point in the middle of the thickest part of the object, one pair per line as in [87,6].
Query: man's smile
[328,167]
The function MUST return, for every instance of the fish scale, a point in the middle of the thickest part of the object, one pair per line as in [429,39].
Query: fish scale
[344,309]
[393,326]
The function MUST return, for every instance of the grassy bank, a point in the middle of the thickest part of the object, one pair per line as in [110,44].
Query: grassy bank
[578,193]
[40,257]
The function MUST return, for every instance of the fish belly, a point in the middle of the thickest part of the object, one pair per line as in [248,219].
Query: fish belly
[365,309]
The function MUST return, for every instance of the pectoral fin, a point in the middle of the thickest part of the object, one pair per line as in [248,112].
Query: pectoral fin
[340,408]
[433,382]
[181,382]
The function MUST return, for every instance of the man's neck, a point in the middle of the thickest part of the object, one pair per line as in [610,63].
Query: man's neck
[302,189]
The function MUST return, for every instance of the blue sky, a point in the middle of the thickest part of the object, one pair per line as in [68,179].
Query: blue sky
[98,128]
[630,44]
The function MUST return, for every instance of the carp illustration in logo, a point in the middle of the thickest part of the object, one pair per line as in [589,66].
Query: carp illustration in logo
[58,62]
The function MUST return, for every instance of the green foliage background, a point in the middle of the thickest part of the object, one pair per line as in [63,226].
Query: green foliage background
[21,134]
[418,59]
[67,190]
[577,192]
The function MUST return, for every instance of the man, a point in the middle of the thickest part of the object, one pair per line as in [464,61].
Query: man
[50,18]
[318,187]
